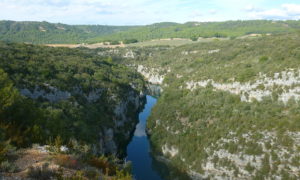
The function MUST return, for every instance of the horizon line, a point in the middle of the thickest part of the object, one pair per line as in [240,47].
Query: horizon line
[274,20]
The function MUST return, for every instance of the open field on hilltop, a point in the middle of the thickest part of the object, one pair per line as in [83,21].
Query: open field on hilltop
[155,42]
[173,42]
[57,33]
[91,46]
[163,42]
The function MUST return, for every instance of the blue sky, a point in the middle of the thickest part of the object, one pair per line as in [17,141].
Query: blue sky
[140,12]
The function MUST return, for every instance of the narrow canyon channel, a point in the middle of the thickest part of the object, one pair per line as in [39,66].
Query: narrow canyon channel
[138,150]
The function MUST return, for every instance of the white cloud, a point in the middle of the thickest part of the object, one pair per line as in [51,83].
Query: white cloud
[284,12]
[120,12]
[292,9]
[93,11]
[196,14]
[140,130]
[251,8]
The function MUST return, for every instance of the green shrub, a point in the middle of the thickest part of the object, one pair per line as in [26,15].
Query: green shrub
[6,149]
[91,173]
[249,168]
[194,38]
[130,41]
[6,166]
[114,43]
[263,59]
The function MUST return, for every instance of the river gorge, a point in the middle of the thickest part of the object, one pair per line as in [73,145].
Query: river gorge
[138,150]
[146,164]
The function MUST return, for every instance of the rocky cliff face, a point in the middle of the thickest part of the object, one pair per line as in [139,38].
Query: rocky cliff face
[152,75]
[272,155]
[53,94]
[252,153]
[285,84]
[115,135]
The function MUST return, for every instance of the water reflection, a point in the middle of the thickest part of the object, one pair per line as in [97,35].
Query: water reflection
[154,90]
[166,170]
[140,130]
[138,150]
[144,165]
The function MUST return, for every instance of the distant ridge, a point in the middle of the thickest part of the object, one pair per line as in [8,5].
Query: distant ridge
[57,33]
[45,32]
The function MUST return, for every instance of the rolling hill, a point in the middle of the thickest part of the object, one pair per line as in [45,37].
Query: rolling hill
[56,33]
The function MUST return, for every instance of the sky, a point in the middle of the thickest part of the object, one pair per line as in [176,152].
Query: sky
[141,12]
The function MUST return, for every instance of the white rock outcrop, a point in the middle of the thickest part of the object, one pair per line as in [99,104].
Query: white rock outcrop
[286,82]
[151,74]
[54,95]
[129,54]
[213,51]
[240,160]
[172,151]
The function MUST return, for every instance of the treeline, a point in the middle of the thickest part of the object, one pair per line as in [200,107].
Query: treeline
[52,33]
[194,30]
[44,32]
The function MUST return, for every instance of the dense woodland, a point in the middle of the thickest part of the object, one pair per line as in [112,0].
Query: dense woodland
[45,33]
[204,116]
[194,30]
[25,121]
[207,120]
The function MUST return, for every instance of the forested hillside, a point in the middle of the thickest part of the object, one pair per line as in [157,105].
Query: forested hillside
[51,33]
[229,109]
[64,97]
[194,30]
[45,33]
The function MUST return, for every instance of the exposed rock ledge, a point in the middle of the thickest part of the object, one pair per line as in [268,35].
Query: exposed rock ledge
[242,161]
[114,137]
[166,150]
[152,75]
[123,124]
[286,84]
[54,95]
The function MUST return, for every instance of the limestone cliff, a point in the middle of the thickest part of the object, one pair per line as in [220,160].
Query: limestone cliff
[125,107]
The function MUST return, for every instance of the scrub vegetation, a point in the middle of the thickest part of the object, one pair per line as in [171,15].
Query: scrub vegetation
[228,108]
[62,97]
[50,33]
